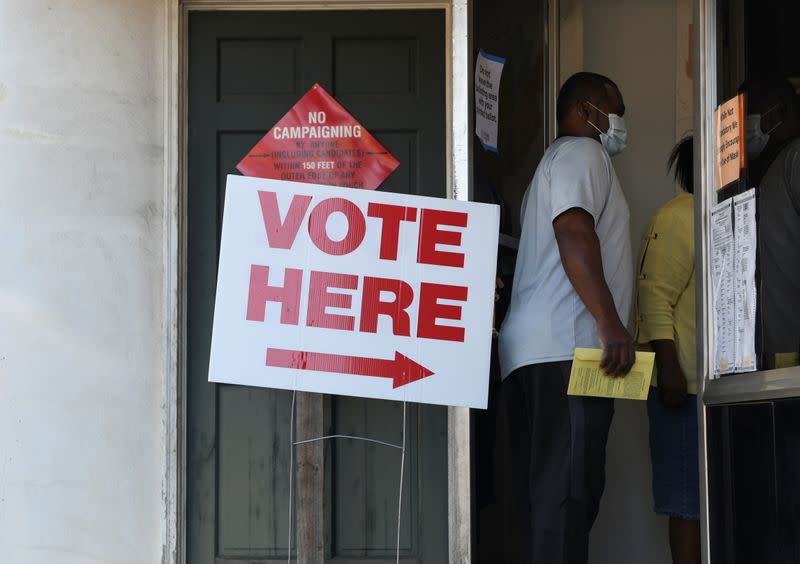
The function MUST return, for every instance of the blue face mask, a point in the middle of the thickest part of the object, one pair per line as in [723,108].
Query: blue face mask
[615,139]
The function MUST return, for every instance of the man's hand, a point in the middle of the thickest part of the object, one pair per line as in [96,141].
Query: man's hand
[671,379]
[619,352]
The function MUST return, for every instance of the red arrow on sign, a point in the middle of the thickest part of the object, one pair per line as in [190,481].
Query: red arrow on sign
[402,370]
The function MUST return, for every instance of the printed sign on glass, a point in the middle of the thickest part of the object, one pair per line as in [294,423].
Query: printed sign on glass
[730,149]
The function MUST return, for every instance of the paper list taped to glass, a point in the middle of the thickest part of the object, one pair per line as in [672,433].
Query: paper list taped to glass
[588,379]
[723,295]
[744,221]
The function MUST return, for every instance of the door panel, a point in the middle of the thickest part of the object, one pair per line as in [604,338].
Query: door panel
[366,479]
[253,463]
[246,69]
[392,64]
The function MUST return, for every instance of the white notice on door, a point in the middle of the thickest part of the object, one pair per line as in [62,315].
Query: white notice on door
[744,216]
[488,69]
[722,276]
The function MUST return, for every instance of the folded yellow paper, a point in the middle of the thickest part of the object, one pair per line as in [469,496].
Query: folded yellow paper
[587,379]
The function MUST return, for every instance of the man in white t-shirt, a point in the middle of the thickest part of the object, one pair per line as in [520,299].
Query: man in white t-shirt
[573,287]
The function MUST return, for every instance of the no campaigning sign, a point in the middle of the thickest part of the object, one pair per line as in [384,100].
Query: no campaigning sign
[354,292]
[318,141]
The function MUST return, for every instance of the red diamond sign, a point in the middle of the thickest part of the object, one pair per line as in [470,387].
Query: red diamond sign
[318,141]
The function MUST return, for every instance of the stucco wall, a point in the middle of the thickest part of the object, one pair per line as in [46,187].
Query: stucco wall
[82,343]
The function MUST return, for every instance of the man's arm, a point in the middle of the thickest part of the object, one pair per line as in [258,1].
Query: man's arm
[580,254]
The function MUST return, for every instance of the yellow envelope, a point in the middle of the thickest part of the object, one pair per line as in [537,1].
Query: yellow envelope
[587,379]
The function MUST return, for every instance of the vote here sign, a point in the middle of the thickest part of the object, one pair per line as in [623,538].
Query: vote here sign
[354,292]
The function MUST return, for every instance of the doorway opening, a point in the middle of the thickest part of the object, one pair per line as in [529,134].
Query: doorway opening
[645,47]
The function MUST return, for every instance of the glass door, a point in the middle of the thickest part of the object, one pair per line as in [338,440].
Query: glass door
[749,233]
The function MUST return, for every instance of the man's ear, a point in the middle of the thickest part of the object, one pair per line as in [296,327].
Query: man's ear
[583,110]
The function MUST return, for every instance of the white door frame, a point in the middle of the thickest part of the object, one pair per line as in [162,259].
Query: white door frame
[458,55]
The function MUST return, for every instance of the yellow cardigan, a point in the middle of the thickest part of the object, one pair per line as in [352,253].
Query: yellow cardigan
[665,302]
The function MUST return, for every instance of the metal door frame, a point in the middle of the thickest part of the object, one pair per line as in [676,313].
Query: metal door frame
[705,96]
[458,54]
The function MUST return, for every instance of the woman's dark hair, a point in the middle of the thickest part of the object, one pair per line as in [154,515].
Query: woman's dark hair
[682,158]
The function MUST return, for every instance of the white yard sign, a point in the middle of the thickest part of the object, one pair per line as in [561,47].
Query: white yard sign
[354,292]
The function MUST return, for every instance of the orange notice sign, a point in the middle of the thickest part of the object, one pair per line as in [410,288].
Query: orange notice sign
[728,119]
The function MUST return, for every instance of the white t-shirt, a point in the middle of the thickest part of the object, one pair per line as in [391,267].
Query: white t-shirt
[546,319]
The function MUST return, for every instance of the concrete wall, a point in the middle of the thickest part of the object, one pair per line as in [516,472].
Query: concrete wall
[635,43]
[82,343]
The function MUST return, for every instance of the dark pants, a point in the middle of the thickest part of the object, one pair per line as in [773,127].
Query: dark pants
[566,461]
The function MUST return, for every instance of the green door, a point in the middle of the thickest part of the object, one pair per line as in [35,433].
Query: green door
[246,69]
